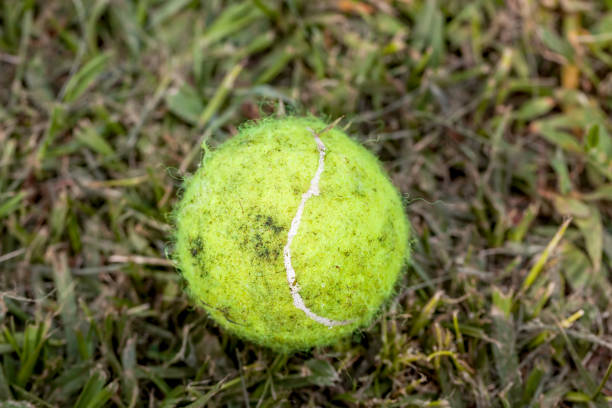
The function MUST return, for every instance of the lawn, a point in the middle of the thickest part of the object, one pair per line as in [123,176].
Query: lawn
[492,118]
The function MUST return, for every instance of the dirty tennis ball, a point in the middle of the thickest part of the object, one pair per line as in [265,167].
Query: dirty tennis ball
[290,234]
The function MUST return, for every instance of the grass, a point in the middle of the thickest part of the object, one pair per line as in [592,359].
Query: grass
[492,118]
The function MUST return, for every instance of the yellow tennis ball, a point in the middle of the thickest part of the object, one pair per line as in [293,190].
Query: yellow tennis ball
[290,234]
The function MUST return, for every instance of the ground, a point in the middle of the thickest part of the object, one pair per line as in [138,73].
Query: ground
[492,119]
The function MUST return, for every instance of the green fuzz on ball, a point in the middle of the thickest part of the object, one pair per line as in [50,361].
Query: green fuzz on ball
[290,234]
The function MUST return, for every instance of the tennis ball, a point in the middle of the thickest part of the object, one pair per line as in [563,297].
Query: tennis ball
[290,234]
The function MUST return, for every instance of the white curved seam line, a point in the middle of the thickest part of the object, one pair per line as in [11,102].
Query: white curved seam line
[298,302]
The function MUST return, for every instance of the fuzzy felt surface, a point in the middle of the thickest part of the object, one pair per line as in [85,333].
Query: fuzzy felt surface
[233,223]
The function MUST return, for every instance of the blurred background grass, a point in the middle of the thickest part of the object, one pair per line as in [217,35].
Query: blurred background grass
[492,118]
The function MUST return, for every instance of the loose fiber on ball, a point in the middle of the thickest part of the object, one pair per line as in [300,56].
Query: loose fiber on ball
[290,234]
